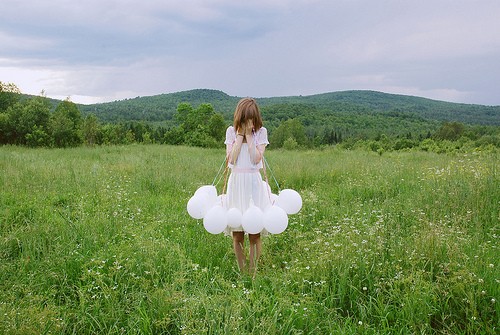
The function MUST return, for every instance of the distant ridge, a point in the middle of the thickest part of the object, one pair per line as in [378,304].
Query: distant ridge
[163,106]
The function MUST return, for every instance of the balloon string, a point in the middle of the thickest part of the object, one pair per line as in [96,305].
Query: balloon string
[214,183]
[225,175]
[272,174]
[220,175]
[267,181]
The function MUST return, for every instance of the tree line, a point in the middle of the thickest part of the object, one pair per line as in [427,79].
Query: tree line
[32,123]
[36,122]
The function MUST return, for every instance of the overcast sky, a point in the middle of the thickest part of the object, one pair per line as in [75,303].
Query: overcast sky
[105,50]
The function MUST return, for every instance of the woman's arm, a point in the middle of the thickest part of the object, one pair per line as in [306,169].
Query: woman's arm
[233,156]
[256,151]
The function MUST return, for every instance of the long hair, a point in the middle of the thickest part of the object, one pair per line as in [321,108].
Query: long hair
[247,109]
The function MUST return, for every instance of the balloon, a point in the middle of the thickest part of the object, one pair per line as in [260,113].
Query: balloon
[221,200]
[215,221]
[275,220]
[252,220]
[210,191]
[274,198]
[234,217]
[197,206]
[290,201]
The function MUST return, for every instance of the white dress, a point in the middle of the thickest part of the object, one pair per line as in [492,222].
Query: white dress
[245,185]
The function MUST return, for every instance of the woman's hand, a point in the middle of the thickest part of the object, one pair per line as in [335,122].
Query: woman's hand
[248,128]
[242,129]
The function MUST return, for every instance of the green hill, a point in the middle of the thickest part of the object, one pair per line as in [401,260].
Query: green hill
[159,107]
[162,107]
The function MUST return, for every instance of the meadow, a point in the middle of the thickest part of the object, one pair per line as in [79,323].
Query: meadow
[98,241]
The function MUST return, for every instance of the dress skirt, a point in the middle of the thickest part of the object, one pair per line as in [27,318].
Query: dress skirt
[246,187]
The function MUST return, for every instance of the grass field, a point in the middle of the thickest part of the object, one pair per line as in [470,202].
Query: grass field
[98,241]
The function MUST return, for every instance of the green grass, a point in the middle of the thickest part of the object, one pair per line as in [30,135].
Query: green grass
[98,240]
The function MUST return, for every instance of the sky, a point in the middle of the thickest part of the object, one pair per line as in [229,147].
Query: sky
[104,50]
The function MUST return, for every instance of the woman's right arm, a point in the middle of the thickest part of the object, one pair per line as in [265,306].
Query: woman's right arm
[233,157]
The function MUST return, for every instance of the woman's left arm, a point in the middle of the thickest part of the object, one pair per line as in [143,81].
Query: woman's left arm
[256,151]
[259,153]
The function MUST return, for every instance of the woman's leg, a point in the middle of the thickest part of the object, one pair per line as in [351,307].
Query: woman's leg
[255,251]
[239,248]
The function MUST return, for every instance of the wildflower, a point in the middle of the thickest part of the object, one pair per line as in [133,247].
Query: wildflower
[360,322]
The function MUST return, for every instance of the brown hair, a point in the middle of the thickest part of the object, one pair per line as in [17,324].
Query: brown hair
[247,109]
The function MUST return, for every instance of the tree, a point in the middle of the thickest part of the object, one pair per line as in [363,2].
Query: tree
[38,137]
[289,129]
[182,112]
[330,137]
[200,127]
[25,118]
[9,95]
[451,131]
[217,127]
[199,117]
[200,138]
[90,130]
[174,136]
[117,134]
[65,125]
[4,128]
[290,144]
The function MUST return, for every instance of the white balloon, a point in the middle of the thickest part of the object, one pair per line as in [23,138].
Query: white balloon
[215,221]
[274,198]
[234,217]
[210,191]
[290,200]
[221,201]
[252,220]
[275,220]
[197,206]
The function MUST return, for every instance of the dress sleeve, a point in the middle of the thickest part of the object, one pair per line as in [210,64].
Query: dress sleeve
[230,139]
[261,136]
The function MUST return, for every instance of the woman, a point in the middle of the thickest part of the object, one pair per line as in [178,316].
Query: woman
[246,142]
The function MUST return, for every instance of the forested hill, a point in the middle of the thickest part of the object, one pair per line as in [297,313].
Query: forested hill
[162,107]
[159,107]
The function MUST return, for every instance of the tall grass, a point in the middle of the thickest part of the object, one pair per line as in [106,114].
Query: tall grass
[99,241]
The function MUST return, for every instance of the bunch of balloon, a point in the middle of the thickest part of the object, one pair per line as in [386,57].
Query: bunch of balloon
[206,205]
[287,202]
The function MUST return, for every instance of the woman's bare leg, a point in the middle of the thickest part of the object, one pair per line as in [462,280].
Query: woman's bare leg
[239,248]
[255,251]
